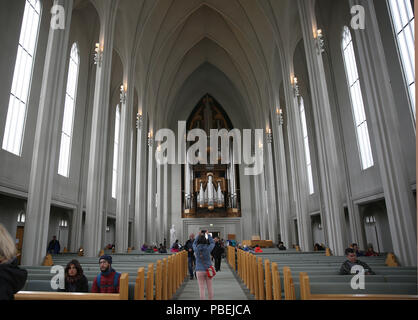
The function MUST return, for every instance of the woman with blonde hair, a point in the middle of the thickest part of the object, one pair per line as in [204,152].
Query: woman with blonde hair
[12,278]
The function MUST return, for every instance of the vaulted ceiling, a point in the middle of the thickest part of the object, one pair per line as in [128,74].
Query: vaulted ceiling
[183,49]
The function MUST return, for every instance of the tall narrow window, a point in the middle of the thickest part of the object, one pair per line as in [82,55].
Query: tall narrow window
[19,93]
[360,121]
[115,152]
[68,121]
[403,24]
[306,145]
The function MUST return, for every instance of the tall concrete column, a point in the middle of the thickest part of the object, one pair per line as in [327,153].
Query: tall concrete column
[98,144]
[281,179]
[140,184]
[151,236]
[299,182]
[48,125]
[328,162]
[124,156]
[166,201]
[159,204]
[401,209]
[271,190]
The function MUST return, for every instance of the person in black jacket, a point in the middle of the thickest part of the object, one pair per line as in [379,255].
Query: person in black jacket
[352,261]
[190,255]
[75,280]
[12,278]
[217,254]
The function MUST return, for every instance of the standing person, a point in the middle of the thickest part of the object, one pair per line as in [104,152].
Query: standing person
[217,254]
[203,246]
[108,280]
[75,280]
[12,278]
[190,255]
[54,246]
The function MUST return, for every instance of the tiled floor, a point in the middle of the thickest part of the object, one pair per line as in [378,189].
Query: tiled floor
[226,286]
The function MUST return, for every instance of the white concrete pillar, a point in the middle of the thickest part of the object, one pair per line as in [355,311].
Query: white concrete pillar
[166,201]
[159,204]
[124,156]
[45,150]
[281,179]
[271,190]
[151,236]
[140,184]
[299,181]
[384,122]
[328,162]
[96,179]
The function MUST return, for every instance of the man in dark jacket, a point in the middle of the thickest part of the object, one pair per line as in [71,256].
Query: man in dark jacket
[12,279]
[217,254]
[108,280]
[190,255]
[54,246]
[352,261]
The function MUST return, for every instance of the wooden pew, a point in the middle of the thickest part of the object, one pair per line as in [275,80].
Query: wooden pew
[277,288]
[140,284]
[269,284]
[158,281]
[289,286]
[305,293]
[165,279]
[122,295]
[261,289]
[150,282]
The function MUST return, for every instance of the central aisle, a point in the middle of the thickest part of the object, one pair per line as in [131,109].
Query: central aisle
[225,287]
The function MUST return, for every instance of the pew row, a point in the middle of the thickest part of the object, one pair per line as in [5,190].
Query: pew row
[160,282]
[122,295]
[305,293]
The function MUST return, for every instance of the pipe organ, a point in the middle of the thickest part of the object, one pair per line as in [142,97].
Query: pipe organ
[210,190]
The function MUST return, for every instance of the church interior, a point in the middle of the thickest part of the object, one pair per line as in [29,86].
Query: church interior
[87,85]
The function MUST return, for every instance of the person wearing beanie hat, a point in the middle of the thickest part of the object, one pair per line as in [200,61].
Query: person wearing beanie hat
[108,279]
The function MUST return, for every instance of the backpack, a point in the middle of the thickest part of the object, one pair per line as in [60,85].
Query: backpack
[115,281]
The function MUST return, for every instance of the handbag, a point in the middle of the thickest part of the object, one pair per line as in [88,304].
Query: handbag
[210,272]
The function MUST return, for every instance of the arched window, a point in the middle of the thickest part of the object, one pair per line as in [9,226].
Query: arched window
[359,115]
[19,93]
[68,121]
[306,145]
[403,20]
[115,152]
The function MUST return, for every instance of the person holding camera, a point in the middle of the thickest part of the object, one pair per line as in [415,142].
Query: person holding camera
[202,247]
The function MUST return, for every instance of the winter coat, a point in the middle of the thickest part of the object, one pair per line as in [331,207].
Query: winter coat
[217,250]
[347,265]
[12,279]
[202,254]
[80,285]
[187,246]
[106,283]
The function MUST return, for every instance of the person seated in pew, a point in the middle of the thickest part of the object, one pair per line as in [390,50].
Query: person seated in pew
[12,278]
[370,252]
[108,279]
[75,280]
[352,261]
[162,249]
[357,251]
[281,246]
[144,247]
[175,247]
